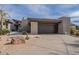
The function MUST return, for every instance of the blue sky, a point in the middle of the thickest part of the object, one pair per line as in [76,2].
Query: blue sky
[17,11]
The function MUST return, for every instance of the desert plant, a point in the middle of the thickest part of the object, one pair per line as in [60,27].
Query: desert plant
[77,32]
[27,37]
[24,33]
[4,31]
[73,31]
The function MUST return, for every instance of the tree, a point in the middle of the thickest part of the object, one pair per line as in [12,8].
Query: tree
[2,18]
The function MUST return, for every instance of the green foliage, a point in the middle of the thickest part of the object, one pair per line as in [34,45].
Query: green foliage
[77,33]
[24,33]
[27,37]
[74,31]
[4,31]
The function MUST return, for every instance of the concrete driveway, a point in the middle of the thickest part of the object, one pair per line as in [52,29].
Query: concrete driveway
[44,45]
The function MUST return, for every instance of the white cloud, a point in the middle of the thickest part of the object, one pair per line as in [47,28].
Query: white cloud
[12,13]
[67,6]
[74,14]
[75,20]
[41,10]
[65,9]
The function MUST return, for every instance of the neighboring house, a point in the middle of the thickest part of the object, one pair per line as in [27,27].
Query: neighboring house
[77,27]
[14,25]
[46,26]
[24,26]
[74,26]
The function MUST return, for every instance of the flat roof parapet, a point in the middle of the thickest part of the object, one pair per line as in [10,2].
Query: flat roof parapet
[43,20]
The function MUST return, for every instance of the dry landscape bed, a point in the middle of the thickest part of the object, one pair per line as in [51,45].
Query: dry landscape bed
[41,45]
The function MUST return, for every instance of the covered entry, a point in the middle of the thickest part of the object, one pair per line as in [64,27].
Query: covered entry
[47,27]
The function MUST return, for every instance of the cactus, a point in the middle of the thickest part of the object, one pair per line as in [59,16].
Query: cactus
[27,38]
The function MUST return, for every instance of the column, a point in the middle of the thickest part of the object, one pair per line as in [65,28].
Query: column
[34,27]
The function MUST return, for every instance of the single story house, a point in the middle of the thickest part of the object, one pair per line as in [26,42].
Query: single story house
[14,25]
[46,26]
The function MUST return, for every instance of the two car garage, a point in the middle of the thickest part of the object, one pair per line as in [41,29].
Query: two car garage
[44,27]
[47,28]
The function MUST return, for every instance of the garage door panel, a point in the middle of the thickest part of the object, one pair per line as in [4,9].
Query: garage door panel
[45,28]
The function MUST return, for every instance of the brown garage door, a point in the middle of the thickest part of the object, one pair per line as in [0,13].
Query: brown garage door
[46,28]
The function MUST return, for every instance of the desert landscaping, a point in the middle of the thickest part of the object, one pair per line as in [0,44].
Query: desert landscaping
[21,35]
[49,44]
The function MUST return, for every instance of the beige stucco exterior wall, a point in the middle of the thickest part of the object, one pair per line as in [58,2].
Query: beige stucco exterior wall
[9,26]
[24,25]
[4,27]
[60,28]
[34,27]
[65,25]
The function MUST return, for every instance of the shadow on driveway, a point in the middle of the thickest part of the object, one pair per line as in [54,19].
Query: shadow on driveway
[74,45]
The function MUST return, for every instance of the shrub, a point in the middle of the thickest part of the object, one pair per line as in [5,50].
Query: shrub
[24,33]
[4,31]
[77,33]
[73,31]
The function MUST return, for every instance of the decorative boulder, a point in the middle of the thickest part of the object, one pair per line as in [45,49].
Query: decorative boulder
[17,41]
